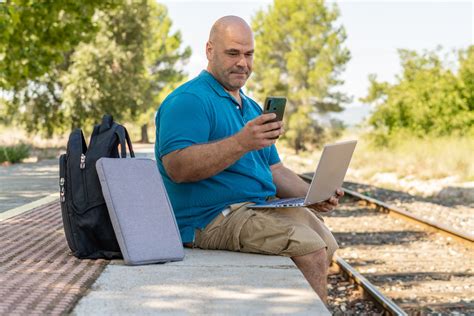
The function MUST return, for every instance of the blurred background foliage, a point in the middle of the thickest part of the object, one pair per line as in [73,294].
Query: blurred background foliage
[36,36]
[428,99]
[300,54]
[63,64]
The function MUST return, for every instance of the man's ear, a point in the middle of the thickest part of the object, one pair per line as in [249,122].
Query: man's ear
[209,50]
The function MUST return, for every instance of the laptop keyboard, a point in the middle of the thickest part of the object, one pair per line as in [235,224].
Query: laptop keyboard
[289,201]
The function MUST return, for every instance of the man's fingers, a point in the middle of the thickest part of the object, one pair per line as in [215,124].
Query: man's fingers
[333,201]
[339,192]
[259,133]
[264,118]
[272,134]
[325,208]
[329,205]
[270,126]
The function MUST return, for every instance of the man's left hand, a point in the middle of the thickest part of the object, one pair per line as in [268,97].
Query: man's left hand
[328,205]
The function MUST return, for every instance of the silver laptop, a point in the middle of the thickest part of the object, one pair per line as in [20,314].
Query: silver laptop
[329,175]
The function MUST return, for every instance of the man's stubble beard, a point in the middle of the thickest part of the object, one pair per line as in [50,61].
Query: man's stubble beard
[228,75]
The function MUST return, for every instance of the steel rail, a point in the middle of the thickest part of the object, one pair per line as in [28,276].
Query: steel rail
[369,288]
[392,210]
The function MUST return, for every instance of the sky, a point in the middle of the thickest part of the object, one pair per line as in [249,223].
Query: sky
[375,31]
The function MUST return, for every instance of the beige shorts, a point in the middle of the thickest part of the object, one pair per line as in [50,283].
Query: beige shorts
[286,232]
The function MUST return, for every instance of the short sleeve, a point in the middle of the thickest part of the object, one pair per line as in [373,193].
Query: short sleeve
[273,158]
[181,122]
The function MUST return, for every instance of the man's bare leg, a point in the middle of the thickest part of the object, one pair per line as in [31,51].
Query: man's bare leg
[314,267]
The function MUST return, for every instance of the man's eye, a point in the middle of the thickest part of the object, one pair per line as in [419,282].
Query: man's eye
[233,53]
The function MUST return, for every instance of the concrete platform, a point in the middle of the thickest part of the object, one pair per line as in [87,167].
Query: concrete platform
[205,283]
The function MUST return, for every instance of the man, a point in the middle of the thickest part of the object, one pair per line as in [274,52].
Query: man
[215,150]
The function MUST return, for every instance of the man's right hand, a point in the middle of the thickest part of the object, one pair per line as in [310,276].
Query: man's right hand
[258,133]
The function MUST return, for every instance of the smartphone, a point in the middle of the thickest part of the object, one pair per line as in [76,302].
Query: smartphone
[275,105]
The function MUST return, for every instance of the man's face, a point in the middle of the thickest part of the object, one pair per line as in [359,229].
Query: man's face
[230,58]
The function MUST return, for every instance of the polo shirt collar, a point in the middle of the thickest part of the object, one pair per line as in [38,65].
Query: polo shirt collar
[217,87]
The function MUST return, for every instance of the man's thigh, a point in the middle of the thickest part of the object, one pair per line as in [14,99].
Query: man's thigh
[315,222]
[290,232]
[224,231]
[271,232]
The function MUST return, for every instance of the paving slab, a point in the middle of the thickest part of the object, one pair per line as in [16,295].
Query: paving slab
[205,283]
[26,182]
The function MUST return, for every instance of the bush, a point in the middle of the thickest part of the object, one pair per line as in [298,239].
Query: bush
[14,153]
[429,98]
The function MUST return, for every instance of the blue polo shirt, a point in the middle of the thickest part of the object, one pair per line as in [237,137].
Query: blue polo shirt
[198,112]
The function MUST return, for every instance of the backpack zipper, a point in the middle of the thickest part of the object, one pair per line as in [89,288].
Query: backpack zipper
[82,165]
[61,190]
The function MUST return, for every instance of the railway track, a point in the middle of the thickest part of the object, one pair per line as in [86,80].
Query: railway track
[422,267]
[360,295]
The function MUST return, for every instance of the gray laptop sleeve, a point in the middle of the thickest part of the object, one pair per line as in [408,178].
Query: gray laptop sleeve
[140,211]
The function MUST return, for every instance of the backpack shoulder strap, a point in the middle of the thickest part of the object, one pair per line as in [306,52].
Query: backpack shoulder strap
[123,137]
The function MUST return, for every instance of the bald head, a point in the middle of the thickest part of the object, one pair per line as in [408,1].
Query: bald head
[229,24]
[230,52]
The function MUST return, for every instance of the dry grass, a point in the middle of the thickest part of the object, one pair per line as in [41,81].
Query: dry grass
[430,158]
[50,148]
[41,148]
[12,135]
[409,158]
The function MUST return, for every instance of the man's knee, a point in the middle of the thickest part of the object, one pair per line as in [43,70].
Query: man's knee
[312,220]
[321,258]
[318,256]
[303,240]
[316,261]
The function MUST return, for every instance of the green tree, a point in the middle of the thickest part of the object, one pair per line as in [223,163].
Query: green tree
[36,36]
[122,70]
[36,41]
[299,54]
[164,59]
[466,78]
[428,98]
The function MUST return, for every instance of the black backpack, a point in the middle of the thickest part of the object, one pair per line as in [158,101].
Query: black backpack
[87,225]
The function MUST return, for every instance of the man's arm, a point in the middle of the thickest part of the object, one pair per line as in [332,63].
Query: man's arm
[202,161]
[289,185]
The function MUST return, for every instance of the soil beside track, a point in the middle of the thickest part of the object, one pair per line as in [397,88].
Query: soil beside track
[421,271]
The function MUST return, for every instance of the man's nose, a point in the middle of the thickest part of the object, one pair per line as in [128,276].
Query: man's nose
[242,62]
